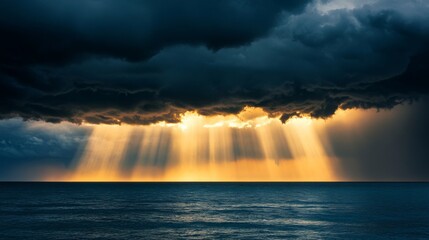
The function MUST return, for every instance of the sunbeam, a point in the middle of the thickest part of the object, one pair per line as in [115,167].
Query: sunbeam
[246,147]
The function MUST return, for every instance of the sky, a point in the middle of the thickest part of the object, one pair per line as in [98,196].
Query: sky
[214,90]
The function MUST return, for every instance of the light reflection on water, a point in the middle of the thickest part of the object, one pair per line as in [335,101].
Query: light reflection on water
[214,210]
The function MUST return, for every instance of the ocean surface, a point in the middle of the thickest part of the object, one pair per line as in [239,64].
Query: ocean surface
[214,211]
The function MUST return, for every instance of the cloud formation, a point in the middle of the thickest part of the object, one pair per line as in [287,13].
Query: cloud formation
[141,62]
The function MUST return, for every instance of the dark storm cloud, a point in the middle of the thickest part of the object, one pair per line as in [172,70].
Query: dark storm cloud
[141,62]
[43,31]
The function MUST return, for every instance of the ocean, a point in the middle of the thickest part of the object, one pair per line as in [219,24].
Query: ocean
[214,211]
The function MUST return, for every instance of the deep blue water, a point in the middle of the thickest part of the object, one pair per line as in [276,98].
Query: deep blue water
[214,210]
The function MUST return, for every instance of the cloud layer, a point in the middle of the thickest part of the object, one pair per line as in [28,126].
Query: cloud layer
[141,62]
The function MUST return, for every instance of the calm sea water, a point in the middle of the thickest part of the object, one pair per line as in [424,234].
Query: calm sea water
[214,210]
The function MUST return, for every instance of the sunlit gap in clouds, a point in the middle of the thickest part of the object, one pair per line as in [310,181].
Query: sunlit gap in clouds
[249,146]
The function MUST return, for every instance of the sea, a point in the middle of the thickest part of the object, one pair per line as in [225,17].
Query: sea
[37,210]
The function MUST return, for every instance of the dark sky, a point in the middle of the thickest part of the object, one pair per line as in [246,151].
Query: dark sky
[142,62]
[145,61]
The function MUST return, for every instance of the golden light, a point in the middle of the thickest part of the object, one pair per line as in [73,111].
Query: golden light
[249,146]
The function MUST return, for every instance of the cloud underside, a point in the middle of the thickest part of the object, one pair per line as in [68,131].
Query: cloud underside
[141,62]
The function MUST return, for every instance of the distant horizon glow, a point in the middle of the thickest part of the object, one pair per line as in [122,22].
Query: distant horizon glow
[249,146]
